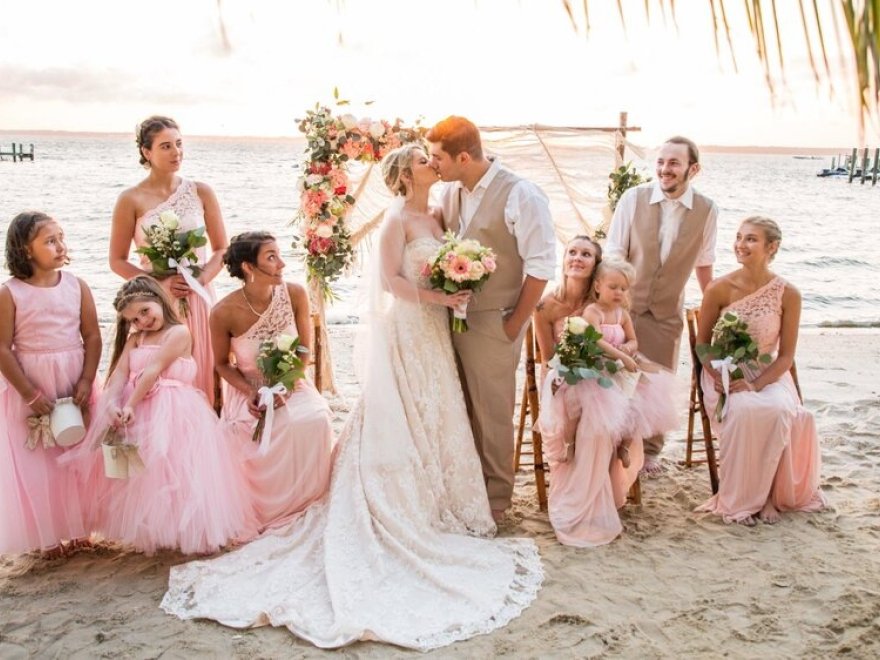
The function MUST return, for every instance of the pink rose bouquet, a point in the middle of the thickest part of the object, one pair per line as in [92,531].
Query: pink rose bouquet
[460,265]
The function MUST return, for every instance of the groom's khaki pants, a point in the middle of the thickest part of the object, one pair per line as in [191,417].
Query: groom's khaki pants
[488,362]
[659,341]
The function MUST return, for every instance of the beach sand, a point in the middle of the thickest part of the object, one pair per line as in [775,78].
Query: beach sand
[674,584]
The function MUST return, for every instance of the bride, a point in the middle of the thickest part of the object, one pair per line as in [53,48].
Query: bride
[398,551]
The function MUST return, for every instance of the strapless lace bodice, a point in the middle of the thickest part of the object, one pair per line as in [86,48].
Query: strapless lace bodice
[418,252]
[762,311]
[276,320]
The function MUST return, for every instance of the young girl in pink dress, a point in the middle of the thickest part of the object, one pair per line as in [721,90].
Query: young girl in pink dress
[295,471]
[160,148]
[769,458]
[652,407]
[50,345]
[191,494]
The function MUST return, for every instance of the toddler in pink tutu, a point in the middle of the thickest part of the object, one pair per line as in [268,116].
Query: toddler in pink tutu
[50,345]
[191,494]
[651,409]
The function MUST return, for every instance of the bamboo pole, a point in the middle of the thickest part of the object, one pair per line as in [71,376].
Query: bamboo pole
[876,166]
[864,165]
[852,164]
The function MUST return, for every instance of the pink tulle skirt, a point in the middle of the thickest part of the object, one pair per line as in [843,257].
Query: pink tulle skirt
[295,471]
[654,407]
[582,425]
[191,495]
[41,504]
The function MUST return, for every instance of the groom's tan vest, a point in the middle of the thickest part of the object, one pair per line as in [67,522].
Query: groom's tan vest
[659,288]
[487,226]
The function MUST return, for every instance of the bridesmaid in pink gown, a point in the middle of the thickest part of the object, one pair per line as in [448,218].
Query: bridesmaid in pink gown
[588,484]
[43,357]
[190,495]
[295,471]
[160,147]
[769,450]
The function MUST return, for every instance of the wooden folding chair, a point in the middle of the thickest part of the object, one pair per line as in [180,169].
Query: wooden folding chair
[530,406]
[697,407]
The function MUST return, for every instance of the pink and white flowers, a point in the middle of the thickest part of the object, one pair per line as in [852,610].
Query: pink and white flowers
[325,198]
[459,265]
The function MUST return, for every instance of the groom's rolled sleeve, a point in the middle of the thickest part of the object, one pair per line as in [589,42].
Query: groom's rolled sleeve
[527,215]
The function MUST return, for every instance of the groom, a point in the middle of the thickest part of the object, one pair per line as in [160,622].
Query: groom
[489,203]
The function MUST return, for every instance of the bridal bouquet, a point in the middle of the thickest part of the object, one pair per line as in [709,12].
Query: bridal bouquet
[731,350]
[460,265]
[171,251]
[578,356]
[281,365]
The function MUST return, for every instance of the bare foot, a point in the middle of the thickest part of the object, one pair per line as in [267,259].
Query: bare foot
[498,515]
[623,455]
[652,467]
[769,515]
[748,521]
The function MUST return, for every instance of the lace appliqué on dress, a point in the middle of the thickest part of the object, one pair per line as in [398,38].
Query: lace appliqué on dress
[277,319]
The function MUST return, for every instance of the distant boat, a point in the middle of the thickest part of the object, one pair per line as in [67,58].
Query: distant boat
[809,157]
[837,171]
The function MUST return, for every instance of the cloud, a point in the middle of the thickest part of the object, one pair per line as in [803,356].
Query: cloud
[94,85]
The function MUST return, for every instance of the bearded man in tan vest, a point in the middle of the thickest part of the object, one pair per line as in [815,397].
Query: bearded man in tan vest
[666,229]
[489,203]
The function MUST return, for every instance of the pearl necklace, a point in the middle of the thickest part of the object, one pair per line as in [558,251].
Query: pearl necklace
[251,307]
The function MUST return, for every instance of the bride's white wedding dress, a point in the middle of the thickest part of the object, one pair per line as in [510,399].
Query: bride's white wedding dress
[390,553]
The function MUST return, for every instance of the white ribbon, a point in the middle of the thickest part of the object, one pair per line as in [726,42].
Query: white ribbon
[184,268]
[726,367]
[267,398]
[460,311]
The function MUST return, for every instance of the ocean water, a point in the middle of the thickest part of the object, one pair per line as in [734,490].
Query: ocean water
[830,247]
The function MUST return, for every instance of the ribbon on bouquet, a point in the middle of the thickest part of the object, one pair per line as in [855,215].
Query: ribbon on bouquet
[267,399]
[184,268]
[725,367]
[39,432]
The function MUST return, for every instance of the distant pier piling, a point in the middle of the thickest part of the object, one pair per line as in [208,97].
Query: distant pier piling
[18,153]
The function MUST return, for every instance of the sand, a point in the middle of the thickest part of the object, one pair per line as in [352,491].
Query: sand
[674,584]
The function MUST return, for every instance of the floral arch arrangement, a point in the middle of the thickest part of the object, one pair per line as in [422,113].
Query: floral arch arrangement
[326,197]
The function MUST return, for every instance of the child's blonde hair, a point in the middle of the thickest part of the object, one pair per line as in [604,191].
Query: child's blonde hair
[615,265]
[140,288]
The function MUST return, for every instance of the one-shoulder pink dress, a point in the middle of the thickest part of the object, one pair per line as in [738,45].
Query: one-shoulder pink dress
[187,204]
[768,445]
[296,469]
[41,504]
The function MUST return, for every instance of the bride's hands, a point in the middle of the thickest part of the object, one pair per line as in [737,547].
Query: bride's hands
[453,300]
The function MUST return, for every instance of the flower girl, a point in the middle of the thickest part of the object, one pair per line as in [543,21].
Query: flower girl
[44,357]
[189,493]
[651,409]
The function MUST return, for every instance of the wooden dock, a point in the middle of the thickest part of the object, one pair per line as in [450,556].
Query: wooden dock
[18,153]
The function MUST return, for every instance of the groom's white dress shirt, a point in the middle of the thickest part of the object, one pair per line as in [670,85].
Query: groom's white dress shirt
[527,217]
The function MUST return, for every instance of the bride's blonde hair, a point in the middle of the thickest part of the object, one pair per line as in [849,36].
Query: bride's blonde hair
[396,164]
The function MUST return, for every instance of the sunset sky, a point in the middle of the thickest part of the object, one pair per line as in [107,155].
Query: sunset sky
[97,65]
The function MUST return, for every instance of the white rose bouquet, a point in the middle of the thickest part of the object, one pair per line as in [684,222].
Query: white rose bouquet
[174,252]
[578,356]
[281,365]
[460,265]
[732,350]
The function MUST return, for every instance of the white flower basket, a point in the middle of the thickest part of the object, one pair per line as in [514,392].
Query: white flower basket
[66,422]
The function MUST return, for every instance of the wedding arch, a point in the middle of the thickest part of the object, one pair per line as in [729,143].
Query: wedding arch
[343,197]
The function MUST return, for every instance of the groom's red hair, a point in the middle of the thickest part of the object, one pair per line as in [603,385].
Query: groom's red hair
[457,134]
